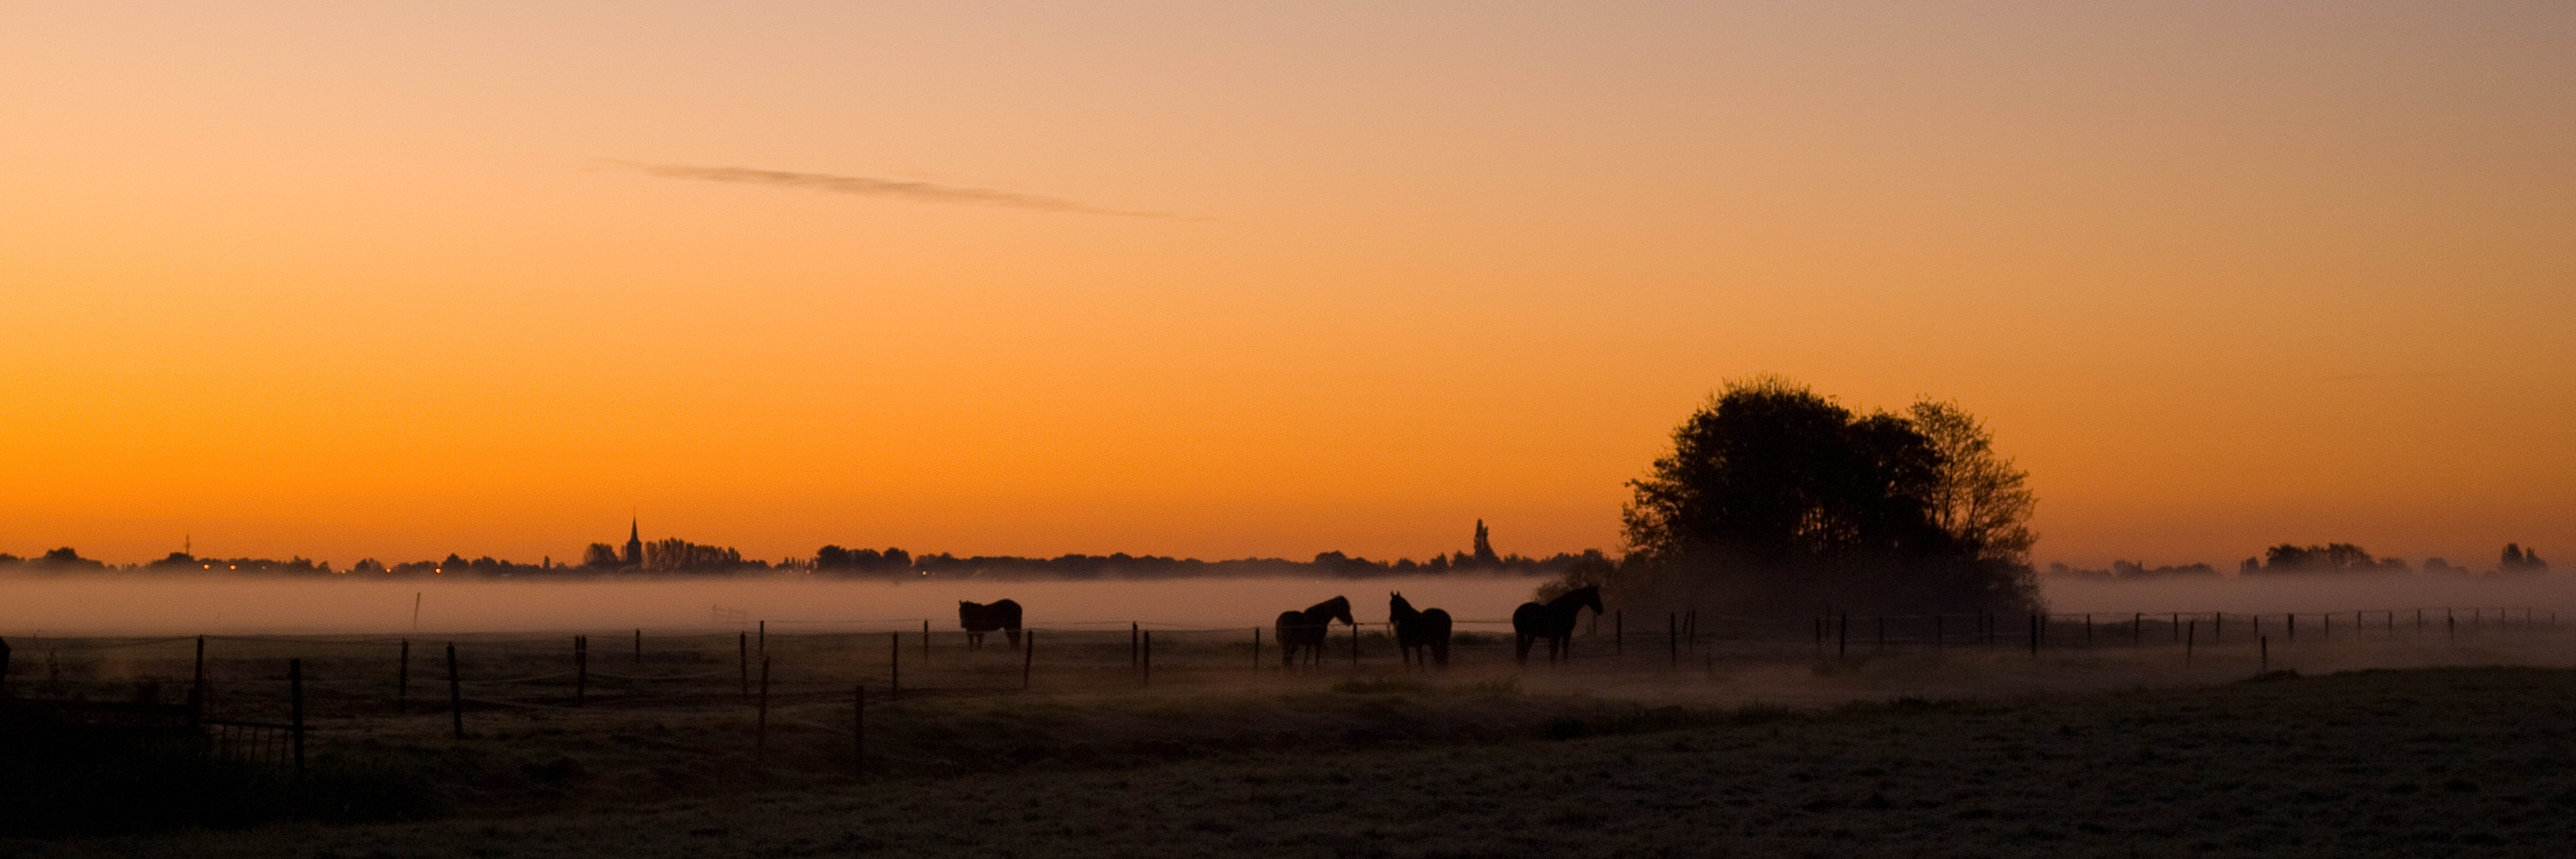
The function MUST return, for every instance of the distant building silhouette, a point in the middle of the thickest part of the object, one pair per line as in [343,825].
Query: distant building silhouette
[634,556]
[1485,556]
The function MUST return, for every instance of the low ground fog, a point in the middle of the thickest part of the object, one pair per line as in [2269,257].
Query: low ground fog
[130,605]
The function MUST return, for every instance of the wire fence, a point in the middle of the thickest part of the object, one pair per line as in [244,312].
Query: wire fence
[255,700]
[249,694]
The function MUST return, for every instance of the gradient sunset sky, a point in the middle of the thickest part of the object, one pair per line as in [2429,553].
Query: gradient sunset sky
[1226,279]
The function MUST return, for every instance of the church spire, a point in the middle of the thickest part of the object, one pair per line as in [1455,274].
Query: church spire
[634,556]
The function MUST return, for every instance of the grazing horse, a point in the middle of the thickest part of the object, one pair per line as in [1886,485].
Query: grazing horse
[1419,633]
[1553,621]
[1305,629]
[979,618]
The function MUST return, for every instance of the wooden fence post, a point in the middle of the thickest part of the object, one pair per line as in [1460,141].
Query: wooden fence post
[2138,629]
[760,729]
[2034,633]
[2265,666]
[894,665]
[455,693]
[2088,629]
[1355,643]
[2191,636]
[742,652]
[639,645]
[2293,624]
[580,670]
[1147,662]
[402,680]
[925,642]
[196,683]
[1256,649]
[295,713]
[1028,654]
[1134,655]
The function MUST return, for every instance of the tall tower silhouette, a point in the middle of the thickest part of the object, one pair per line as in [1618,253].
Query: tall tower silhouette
[1485,547]
[634,544]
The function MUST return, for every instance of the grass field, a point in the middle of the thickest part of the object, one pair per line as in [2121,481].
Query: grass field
[1965,752]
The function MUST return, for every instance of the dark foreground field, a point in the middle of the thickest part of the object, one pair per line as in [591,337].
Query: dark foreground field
[2423,762]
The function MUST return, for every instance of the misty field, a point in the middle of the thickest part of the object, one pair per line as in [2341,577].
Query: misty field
[1644,746]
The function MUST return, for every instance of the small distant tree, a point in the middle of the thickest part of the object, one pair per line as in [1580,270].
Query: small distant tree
[673,554]
[2329,558]
[1484,547]
[2518,560]
[66,558]
[601,556]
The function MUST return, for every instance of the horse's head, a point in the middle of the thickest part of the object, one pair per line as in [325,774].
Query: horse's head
[1588,596]
[1341,607]
[1396,604]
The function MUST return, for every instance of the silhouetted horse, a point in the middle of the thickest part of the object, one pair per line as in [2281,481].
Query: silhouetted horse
[979,618]
[1553,621]
[1419,631]
[1304,630]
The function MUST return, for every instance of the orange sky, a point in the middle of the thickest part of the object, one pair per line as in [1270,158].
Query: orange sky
[342,281]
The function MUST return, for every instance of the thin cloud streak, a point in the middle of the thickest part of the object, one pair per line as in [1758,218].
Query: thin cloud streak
[867,186]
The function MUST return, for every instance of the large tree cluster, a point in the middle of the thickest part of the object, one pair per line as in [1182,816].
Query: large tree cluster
[1775,500]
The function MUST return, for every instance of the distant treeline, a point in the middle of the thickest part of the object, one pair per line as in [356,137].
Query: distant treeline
[2332,558]
[680,558]
[867,563]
